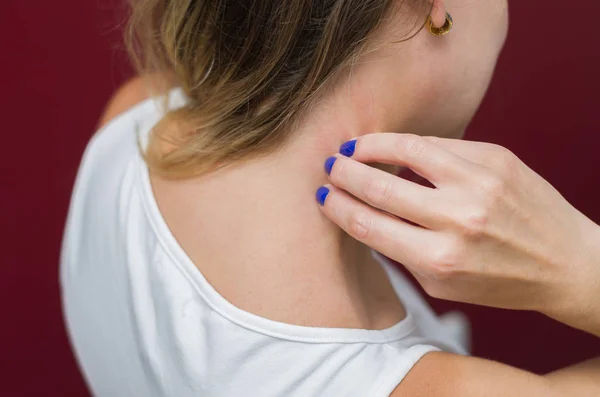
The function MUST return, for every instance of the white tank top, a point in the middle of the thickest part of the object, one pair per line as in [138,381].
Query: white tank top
[143,321]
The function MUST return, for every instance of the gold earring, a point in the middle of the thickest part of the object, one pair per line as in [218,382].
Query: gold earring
[444,30]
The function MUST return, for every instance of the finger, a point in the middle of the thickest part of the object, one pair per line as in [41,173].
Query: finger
[385,191]
[482,153]
[425,158]
[392,237]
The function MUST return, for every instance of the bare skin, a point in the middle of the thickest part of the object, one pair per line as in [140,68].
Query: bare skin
[437,374]
[490,232]
[278,242]
[325,265]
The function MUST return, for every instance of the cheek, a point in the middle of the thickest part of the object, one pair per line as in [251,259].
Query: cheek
[499,22]
[480,44]
[504,22]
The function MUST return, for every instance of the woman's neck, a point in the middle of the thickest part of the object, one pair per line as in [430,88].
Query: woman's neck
[267,211]
[257,234]
[255,230]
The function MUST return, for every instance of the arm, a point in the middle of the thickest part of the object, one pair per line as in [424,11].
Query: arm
[447,375]
[580,308]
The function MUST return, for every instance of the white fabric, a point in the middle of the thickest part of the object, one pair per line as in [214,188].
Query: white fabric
[143,320]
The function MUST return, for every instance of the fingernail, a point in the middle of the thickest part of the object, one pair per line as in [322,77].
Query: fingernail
[347,149]
[329,164]
[322,193]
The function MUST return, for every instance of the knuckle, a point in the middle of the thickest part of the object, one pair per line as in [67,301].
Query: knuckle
[377,191]
[493,187]
[433,139]
[495,147]
[359,225]
[506,160]
[411,145]
[442,271]
[473,223]
[445,262]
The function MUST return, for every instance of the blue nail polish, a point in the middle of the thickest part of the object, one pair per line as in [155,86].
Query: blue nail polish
[329,164]
[347,149]
[322,193]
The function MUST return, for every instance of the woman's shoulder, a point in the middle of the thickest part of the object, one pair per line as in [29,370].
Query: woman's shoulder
[441,374]
[133,92]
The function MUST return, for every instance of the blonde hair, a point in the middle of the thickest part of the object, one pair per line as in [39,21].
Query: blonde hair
[250,69]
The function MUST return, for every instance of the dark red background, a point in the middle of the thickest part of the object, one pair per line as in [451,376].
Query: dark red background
[61,60]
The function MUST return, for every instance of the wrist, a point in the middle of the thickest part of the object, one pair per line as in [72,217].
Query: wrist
[578,302]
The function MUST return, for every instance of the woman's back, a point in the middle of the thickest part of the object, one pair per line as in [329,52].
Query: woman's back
[145,321]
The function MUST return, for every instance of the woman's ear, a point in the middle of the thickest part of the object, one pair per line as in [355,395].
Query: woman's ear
[438,13]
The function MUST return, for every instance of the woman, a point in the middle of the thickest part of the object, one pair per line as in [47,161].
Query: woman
[207,269]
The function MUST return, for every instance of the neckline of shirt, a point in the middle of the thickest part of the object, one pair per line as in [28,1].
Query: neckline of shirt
[245,319]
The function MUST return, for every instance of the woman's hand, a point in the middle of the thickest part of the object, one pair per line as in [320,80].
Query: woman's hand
[491,232]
